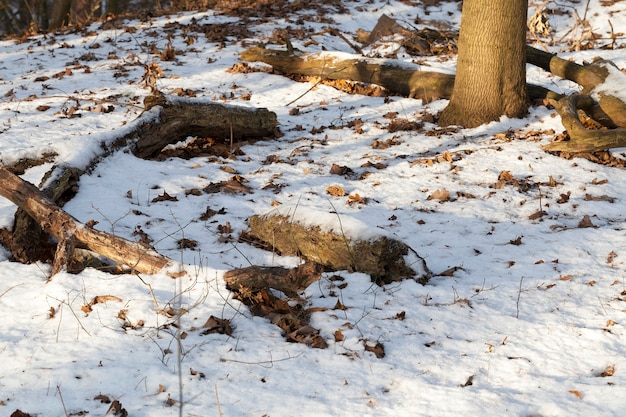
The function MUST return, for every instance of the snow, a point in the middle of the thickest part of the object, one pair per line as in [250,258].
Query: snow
[529,322]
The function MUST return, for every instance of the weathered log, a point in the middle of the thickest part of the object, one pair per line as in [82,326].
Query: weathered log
[176,119]
[383,258]
[29,243]
[406,79]
[608,110]
[582,139]
[69,231]
[288,280]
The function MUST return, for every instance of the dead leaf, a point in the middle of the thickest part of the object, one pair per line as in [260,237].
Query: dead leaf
[377,348]
[355,199]
[339,337]
[585,222]
[566,277]
[442,195]
[336,190]
[164,197]
[217,325]
[576,393]
[400,316]
[469,382]
[589,197]
[517,241]
[104,399]
[340,170]
[608,371]
[611,257]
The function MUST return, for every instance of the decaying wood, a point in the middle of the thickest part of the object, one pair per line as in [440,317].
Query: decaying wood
[406,79]
[581,138]
[29,243]
[177,119]
[382,258]
[290,281]
[608,110]
[69,231]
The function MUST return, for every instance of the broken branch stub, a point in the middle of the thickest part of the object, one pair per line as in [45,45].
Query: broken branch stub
[383,258]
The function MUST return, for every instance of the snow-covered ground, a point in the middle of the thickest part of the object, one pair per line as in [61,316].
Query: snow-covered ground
[524,316]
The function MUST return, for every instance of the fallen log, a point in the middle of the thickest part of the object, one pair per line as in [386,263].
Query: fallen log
[406,80]
[290,281]
[70,232]
[176,119]
[338,244]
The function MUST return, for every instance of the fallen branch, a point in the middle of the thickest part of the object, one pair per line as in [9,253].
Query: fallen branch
[178,119]
[70,232]
[581,138]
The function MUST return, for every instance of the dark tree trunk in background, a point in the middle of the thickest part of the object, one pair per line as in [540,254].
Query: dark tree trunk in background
[491,70]
[60,14]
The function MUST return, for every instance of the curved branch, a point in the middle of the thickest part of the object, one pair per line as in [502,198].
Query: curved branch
[581,138]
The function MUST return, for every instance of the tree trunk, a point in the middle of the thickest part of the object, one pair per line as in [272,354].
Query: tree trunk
[491,69]
[60,14]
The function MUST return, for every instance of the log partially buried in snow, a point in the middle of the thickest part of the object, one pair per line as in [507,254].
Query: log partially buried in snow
[338,242]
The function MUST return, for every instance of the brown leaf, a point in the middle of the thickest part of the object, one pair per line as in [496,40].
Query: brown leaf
[104,399]
[608,371]
[576,393]
[335,190]
[517,241]
[377,349]
[355,199]
[339,337]
[585,222]
[20,413]
[164,197]
[339,306]
[537,215]
[611,257]
[217,325]
[566,277]
[340,170]
[442,195]
[589,197]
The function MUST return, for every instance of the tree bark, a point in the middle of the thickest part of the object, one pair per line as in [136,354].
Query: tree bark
[70,231]
[289,281]
[582,139]
[491,70]
[403,80]
[381,257]
[178,119]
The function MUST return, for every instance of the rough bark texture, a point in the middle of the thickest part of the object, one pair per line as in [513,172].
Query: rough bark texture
[289,281]
[382,258]
[70,231]
[491,72]
[29,242]
[179,119]
[582,139]
[404,80]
